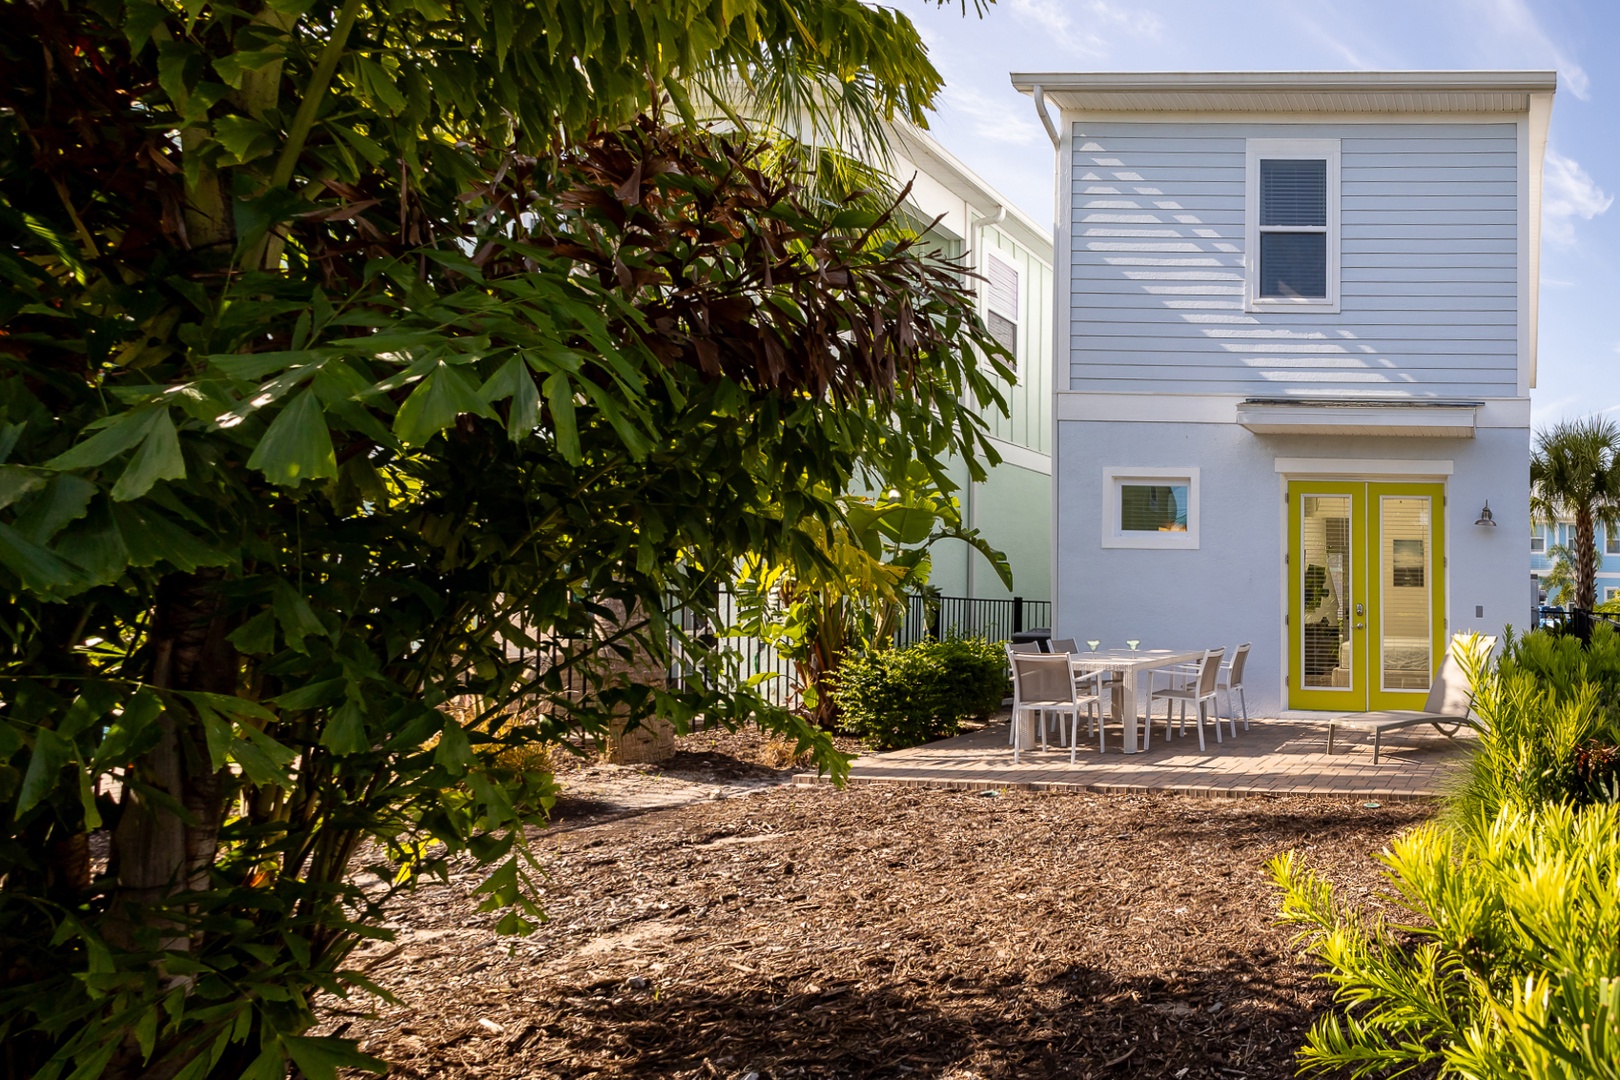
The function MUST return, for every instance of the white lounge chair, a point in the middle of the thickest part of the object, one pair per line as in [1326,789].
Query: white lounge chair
[1446,709]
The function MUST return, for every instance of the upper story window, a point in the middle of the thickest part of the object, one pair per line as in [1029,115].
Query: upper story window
[1611,544]
[1001,314]
[1293,224]
[1538,544]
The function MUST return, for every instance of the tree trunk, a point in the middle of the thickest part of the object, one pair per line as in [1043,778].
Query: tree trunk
[1585,560]
[159,852]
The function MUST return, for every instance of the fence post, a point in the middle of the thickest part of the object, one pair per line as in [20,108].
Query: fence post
[933,621]
[1018,614]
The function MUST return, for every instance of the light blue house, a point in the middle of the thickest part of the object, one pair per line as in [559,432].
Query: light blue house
[1296,339]
[1543,538]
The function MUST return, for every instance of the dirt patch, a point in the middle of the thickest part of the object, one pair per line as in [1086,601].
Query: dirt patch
[878,932]
[708,764]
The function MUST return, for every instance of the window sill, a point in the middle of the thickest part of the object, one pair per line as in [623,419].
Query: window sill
[1302,307]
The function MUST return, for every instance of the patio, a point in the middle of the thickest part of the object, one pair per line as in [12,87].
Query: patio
[1273,757]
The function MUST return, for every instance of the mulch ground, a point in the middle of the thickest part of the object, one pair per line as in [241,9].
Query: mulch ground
[878,932]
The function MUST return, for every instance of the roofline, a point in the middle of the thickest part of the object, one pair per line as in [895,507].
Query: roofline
[1512,82]
[913,142]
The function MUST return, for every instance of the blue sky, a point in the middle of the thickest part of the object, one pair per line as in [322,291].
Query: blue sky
[994,129]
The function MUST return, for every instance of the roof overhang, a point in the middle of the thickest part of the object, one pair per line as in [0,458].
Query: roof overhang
[1291,91]
[1340,416]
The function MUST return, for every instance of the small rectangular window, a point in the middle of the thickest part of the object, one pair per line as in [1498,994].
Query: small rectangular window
[1150,508]
[1611,545]
[1610,593]
[1001,316]
[1293,233]
[1538,545]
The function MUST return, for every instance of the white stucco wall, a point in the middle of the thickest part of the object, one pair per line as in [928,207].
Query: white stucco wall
[1231,589]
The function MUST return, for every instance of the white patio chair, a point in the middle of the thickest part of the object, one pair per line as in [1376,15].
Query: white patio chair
[1045,684]
[1199,693]
[1230,681]
[1447,708]
[1063,644]
[1030,648]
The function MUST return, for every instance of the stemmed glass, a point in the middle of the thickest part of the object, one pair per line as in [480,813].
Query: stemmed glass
[1092,643]
[1133,643]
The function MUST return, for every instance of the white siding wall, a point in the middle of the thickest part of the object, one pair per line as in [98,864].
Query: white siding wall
[1428,257]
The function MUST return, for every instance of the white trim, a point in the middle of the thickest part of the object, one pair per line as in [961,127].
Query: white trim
[1257,150]
[1154,408]
[1410,419]
[1362,468]
[1061,313]
[1022,456]
[1113,536]
[1533,153]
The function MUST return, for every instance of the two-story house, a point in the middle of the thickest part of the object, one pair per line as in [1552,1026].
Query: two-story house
[1012,257]
[1295,343]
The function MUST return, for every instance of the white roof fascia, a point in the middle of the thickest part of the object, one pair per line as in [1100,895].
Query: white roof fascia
[1540,119]
[1291,91]
[930,157]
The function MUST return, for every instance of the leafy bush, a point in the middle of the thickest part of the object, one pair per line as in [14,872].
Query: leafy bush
[1508,966]
[902,697]
[1506,969]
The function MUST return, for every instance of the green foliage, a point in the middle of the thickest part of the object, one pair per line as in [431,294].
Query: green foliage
[1575,475]
[1548,697]
[1503,963]
[872,556]
[357,359]
[903,697]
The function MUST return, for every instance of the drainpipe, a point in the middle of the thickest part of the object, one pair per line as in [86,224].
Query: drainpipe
[1046,118]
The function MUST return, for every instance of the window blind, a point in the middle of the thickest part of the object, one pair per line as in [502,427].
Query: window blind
[1003,287]
[1293,264]
[1293,192]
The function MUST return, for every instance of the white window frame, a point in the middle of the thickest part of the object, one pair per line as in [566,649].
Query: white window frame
[1609,593]
[1611,543]
[1116,477]
[991,306]
[1538,538]
[1296,149]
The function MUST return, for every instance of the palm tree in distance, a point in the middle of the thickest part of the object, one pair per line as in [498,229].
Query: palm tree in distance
[1575,476]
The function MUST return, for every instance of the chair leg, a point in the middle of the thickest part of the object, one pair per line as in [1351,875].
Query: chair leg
[1330,736]
[1217,717]
[1200,724]
[1377,738]
[1244,699]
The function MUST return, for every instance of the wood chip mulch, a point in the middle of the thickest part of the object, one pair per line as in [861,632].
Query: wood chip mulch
[880,932]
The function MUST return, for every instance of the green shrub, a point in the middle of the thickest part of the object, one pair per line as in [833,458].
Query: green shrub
[1504,962]
[903,697]
[1506,968]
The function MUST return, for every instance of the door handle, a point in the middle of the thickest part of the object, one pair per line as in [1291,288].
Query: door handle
[1361,626]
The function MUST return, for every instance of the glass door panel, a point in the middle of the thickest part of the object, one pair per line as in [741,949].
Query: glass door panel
[1408,630]
[1326,564]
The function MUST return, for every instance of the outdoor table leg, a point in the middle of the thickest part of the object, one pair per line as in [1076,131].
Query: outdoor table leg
[1129,710]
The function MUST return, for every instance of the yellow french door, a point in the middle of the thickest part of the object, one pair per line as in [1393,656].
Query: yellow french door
[1366,593]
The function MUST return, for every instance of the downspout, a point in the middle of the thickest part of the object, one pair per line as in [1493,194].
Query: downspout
[1046,118]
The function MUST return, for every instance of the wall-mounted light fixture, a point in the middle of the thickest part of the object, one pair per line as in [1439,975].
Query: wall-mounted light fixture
[1486,517]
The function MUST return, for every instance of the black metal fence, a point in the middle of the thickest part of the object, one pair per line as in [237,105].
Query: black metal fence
[940,617]
[1574,621]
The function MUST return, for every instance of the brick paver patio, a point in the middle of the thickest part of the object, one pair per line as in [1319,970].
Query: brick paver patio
[1274,757]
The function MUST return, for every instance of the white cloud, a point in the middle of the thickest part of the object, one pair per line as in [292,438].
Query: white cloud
[992,120]
[1568,192]
[1515,23]
[1085,28]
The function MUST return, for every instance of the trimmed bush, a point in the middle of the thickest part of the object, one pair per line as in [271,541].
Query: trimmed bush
[904,697]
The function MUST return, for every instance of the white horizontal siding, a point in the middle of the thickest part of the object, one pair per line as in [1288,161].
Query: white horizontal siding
[1428,263]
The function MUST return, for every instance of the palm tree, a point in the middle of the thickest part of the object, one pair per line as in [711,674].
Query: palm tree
[1559,580]
[1575,475]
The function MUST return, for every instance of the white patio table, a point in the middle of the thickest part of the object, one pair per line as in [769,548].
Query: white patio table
[1130,664]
